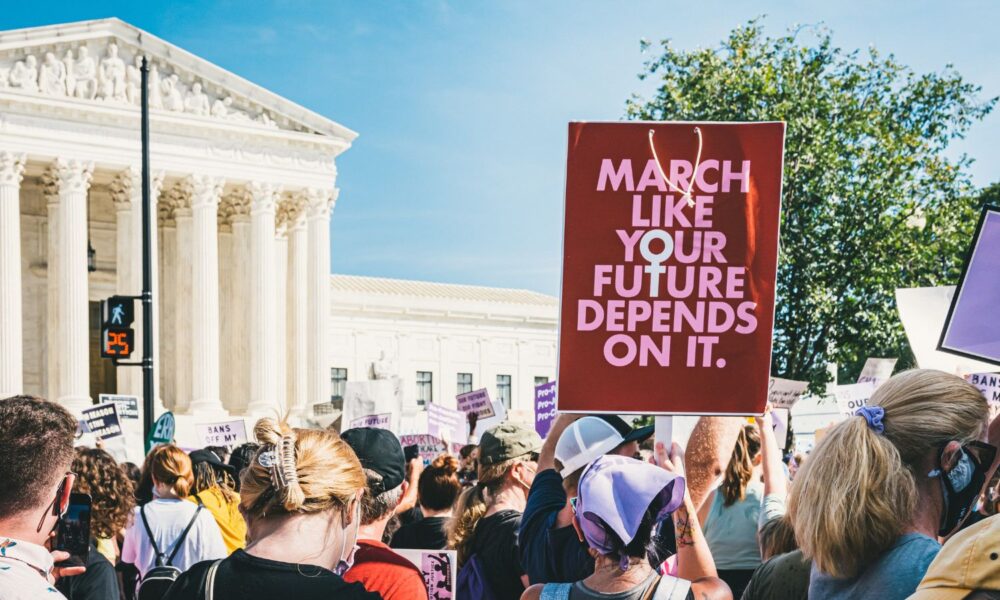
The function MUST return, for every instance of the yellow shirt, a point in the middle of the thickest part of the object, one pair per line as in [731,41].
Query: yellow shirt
[227,515]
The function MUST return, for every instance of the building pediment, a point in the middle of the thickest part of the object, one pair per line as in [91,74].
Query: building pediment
[96,64]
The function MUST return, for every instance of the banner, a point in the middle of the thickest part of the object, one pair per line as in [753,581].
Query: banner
[477,401]
[226,433]
[877,370]
[784,393]
[382,421]
[852,397]
[545,407]
[102,420]
[966,331]
[373,397]
[439,569]
[429,446]
[447,423]
[670,253]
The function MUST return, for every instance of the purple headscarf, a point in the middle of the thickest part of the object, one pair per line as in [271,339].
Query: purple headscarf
[614,494]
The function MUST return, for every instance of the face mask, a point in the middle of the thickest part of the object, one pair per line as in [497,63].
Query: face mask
[347,561]
[959,489]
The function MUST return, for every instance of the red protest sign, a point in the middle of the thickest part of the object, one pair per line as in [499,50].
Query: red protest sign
[668,299]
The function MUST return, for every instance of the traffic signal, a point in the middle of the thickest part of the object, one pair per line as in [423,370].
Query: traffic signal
[117,335]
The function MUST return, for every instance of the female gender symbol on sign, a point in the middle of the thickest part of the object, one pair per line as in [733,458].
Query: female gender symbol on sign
[656,260]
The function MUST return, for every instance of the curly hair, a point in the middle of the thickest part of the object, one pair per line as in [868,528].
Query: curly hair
[110,490]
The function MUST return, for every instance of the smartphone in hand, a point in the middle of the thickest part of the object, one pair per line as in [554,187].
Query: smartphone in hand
[411,452]
[73,533]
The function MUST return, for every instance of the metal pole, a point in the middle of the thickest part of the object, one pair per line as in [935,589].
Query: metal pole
[147,267]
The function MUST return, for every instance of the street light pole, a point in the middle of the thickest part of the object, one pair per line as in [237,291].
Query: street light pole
[147,267]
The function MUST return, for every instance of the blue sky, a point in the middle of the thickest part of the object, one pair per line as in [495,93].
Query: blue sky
[462,106]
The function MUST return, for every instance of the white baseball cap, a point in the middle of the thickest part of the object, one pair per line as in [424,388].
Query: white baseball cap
[584,441]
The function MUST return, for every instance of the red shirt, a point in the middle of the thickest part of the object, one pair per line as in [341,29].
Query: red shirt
[381,570]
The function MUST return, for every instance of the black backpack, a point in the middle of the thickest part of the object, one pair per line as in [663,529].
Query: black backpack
[158,580]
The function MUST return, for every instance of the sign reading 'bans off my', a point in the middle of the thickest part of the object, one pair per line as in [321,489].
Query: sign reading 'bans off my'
[670,258]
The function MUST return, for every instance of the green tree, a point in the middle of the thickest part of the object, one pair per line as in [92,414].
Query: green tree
[870,203]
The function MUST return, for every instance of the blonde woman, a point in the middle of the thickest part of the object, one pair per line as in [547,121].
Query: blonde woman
[301,497]
[168,525]
[488,515]
[882,486]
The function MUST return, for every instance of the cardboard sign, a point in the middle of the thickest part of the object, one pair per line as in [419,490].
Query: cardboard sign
[227,433]
[382,421]
[784,393]
[968,330]
[545,407]
[429,446]
[447,424]
[852,397]
[374,397]
[877,370]
[669,267]
[439,569]
[128,406]
[102,420]
[477,401]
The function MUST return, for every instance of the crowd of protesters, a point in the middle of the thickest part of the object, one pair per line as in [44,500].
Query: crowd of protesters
[894,502]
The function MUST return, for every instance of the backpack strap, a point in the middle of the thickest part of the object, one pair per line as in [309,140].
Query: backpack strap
[556,591]
[668,588]
[149,534]
[210,580]
[180,540]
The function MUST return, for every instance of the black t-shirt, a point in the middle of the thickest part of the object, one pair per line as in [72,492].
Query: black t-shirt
[495,543]
[98,582]
[245,576]
[784,576]
[429,533]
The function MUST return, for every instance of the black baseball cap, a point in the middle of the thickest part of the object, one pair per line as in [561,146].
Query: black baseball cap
[380,451]
[207,456]
[629,434]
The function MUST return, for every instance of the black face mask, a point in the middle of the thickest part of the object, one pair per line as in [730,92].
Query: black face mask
[961,486]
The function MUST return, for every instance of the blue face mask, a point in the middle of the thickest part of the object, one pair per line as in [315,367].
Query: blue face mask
[959,489]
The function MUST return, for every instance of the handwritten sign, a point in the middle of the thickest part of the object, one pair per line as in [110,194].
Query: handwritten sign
[477,401]
[545,407]
[102,420]
[852,397]
[226,433]
[877,370]
[669,263]
[447,424]
[989,385]
[428,446]
[383,421]
[784,393]
[439,569]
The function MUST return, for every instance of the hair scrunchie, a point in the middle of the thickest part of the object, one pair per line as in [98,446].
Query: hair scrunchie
[874,416]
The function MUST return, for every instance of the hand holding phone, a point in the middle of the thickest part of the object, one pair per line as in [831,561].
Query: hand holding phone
[73,532]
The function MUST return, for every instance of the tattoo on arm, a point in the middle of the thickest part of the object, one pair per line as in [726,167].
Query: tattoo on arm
[683,528]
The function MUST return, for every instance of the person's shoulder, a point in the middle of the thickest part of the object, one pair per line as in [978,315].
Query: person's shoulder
[916,547]
[188,583]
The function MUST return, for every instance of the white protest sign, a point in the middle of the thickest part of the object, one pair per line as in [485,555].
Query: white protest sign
[877,370]
[129,414]
[375,397]
[477,401]
[439,569]
[779,417]
[499,416]
[784,393]
[382,421]
[128,406]
[447,423]
[923,312]
[428,446]
[102,420]
[225,433]
[852,397]
[989,385]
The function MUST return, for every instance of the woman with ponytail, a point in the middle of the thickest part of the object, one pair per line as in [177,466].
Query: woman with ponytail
[437,490]
[301,497]
[730,513]
[882,486]
[168,521]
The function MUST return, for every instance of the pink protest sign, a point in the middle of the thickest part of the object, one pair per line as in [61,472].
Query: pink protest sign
[428,446]
[670,255]
[477,401]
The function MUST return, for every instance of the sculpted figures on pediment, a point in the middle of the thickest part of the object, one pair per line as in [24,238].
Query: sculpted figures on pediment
[85,75]
[52,77]
[24,75]
[111,76]
[196,101]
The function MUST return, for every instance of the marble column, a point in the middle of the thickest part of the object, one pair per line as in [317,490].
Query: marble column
[181,294]
[278,289]
[128,277]
[263,316]
[227,324]
[11,337]
[50,186]
[73,180]
[167,301]
[205,193]
[320,205]
[238,362]
[297,318]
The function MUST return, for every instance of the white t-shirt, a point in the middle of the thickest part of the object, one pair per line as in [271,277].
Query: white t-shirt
[167,520]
